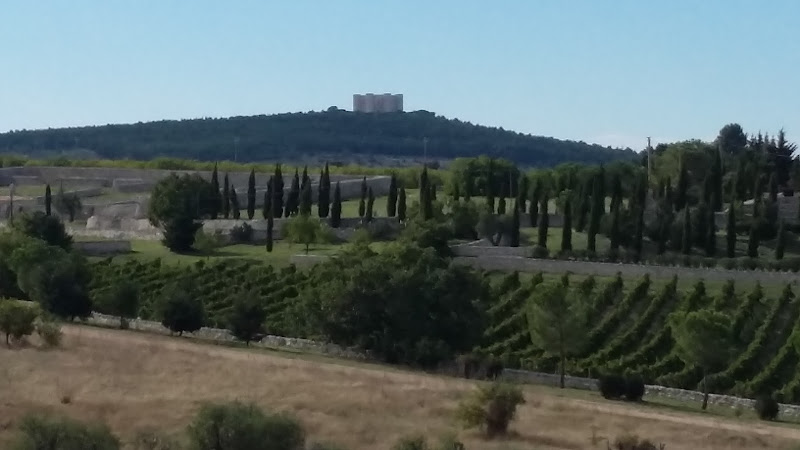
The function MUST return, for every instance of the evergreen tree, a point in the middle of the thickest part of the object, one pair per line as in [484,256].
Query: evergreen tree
[305,180]
[391,202]
[490,188]
[711,230]
[701,230]
[514,233]
[780,243]
[595,213]
[522,193]
[267,204]
[639,236]
[544,221]
[48,200]
[773,188]
[683,186]
[428,205]
[601,177]
[370,206]
[235,209]
[616,192]
[270,226]
[716,179]
[293,199]
[336,207]
[216,199]
[456,193]
[753,241]
[686,236]
[501,206]
[277,192]
[226,198]
[304,207]
[614,238]
[424,195]
[401,205]
[730,232]
[324,197]
[362,201]
[433,192]
[251,194]
[566,227]
[536,193]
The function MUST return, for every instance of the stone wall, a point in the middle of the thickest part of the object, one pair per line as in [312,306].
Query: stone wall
[468,250]
[103,248]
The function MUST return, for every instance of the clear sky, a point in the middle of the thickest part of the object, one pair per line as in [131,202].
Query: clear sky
[601,71]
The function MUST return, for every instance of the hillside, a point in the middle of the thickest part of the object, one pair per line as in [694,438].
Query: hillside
[333,133]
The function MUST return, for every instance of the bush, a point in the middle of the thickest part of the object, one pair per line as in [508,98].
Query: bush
[540,252]
[236,426]
[153,440]
[207,242]
[420,443]
[634,389]
[766,407]
[16,319]
[491,408]
[632,442]
[242,234]
[611,386]
[40,432]
[49,332]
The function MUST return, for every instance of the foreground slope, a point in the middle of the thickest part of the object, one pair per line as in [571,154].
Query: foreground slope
[282,136]
[134,381]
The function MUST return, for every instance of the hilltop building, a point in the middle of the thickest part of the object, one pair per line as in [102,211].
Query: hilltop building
[377,103]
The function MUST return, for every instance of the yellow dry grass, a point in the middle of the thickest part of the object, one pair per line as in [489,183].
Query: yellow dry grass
[135,381]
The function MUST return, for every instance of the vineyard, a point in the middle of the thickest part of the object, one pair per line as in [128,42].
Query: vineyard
[630,329]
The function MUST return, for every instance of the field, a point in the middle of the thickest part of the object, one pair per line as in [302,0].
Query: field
[135,381]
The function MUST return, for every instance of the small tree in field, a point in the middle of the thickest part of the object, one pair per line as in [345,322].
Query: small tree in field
[180,309]
[559,322]
[16,319]
[239,426]
[246,319]
[703,339]
[122,300]
[491,408]
[304,230]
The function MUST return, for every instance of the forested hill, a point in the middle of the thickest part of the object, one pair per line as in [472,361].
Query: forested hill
[335,132]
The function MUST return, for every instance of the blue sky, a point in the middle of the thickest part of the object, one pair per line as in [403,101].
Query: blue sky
[611,72]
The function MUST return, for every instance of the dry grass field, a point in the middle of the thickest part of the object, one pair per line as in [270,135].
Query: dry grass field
[135,381]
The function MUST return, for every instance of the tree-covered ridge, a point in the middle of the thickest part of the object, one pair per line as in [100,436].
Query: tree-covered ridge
[334,132]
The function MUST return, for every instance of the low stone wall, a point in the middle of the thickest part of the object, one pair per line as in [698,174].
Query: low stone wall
[103,248]
[222,335]
[483,250]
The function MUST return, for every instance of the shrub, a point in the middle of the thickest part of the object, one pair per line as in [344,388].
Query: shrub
[153,440]
[491,408]
[468,365]
[766,407]
[611,386]
[49,332]
[540,252]
[207,242]
[420,443]
[16,319]
[40,432]
[632,442]
[242,234]
[235,426]
[634,389]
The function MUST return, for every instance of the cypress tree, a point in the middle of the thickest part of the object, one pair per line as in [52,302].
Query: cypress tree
[401,205]
[514,232]
[616,192]
[433,192]
[489,190]
[216,199]
[501,206]
[716,170]
[226,198]
[711,236]
[639,236]
[305,180]
[304,207]
[773,188]
[362,201]
[336,207]
[614,238]
[324,197]
[536,193]
[391,202]
[48,200]
[683,186]
[277,192]
[235,210]
[267,206]
[544,221]
[595,213]
[370,206]
[270,225]
[601,176]
[780,244]
[730,232]
[752,242]
[456,193]
[686,237]
[566,227]
[293,199]
[522,193]
[251,194]
[428,205]
[701,233]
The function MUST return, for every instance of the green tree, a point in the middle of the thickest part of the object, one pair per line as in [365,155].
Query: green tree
[703,339]
[682,187]
[730,231]
[216,200]
[16,319]
[48,200]
[711,234]
[686,235]
[277,191]
[266,208]
[270,226]
[122,300]
[559,323]
[489,189]
[370,206]
[67,204]
[39,432]
[324,194]
[305,180]
[362,199]
[239,426]
[401,205]
[336,207]
[522,193]
[716,180]
[731,139]
[596,213]
[39,225]
[780,244]
[303,229]
[544,220]
[773,188]
[251,194]
[226,197]
[246,318]
[236,210]
[391,203]
[566,227]
[293,198]
[614,231]
[501,206]
[305,200]
[536,194]
[180,308]
[426,196]
[514,230]
[753,241]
